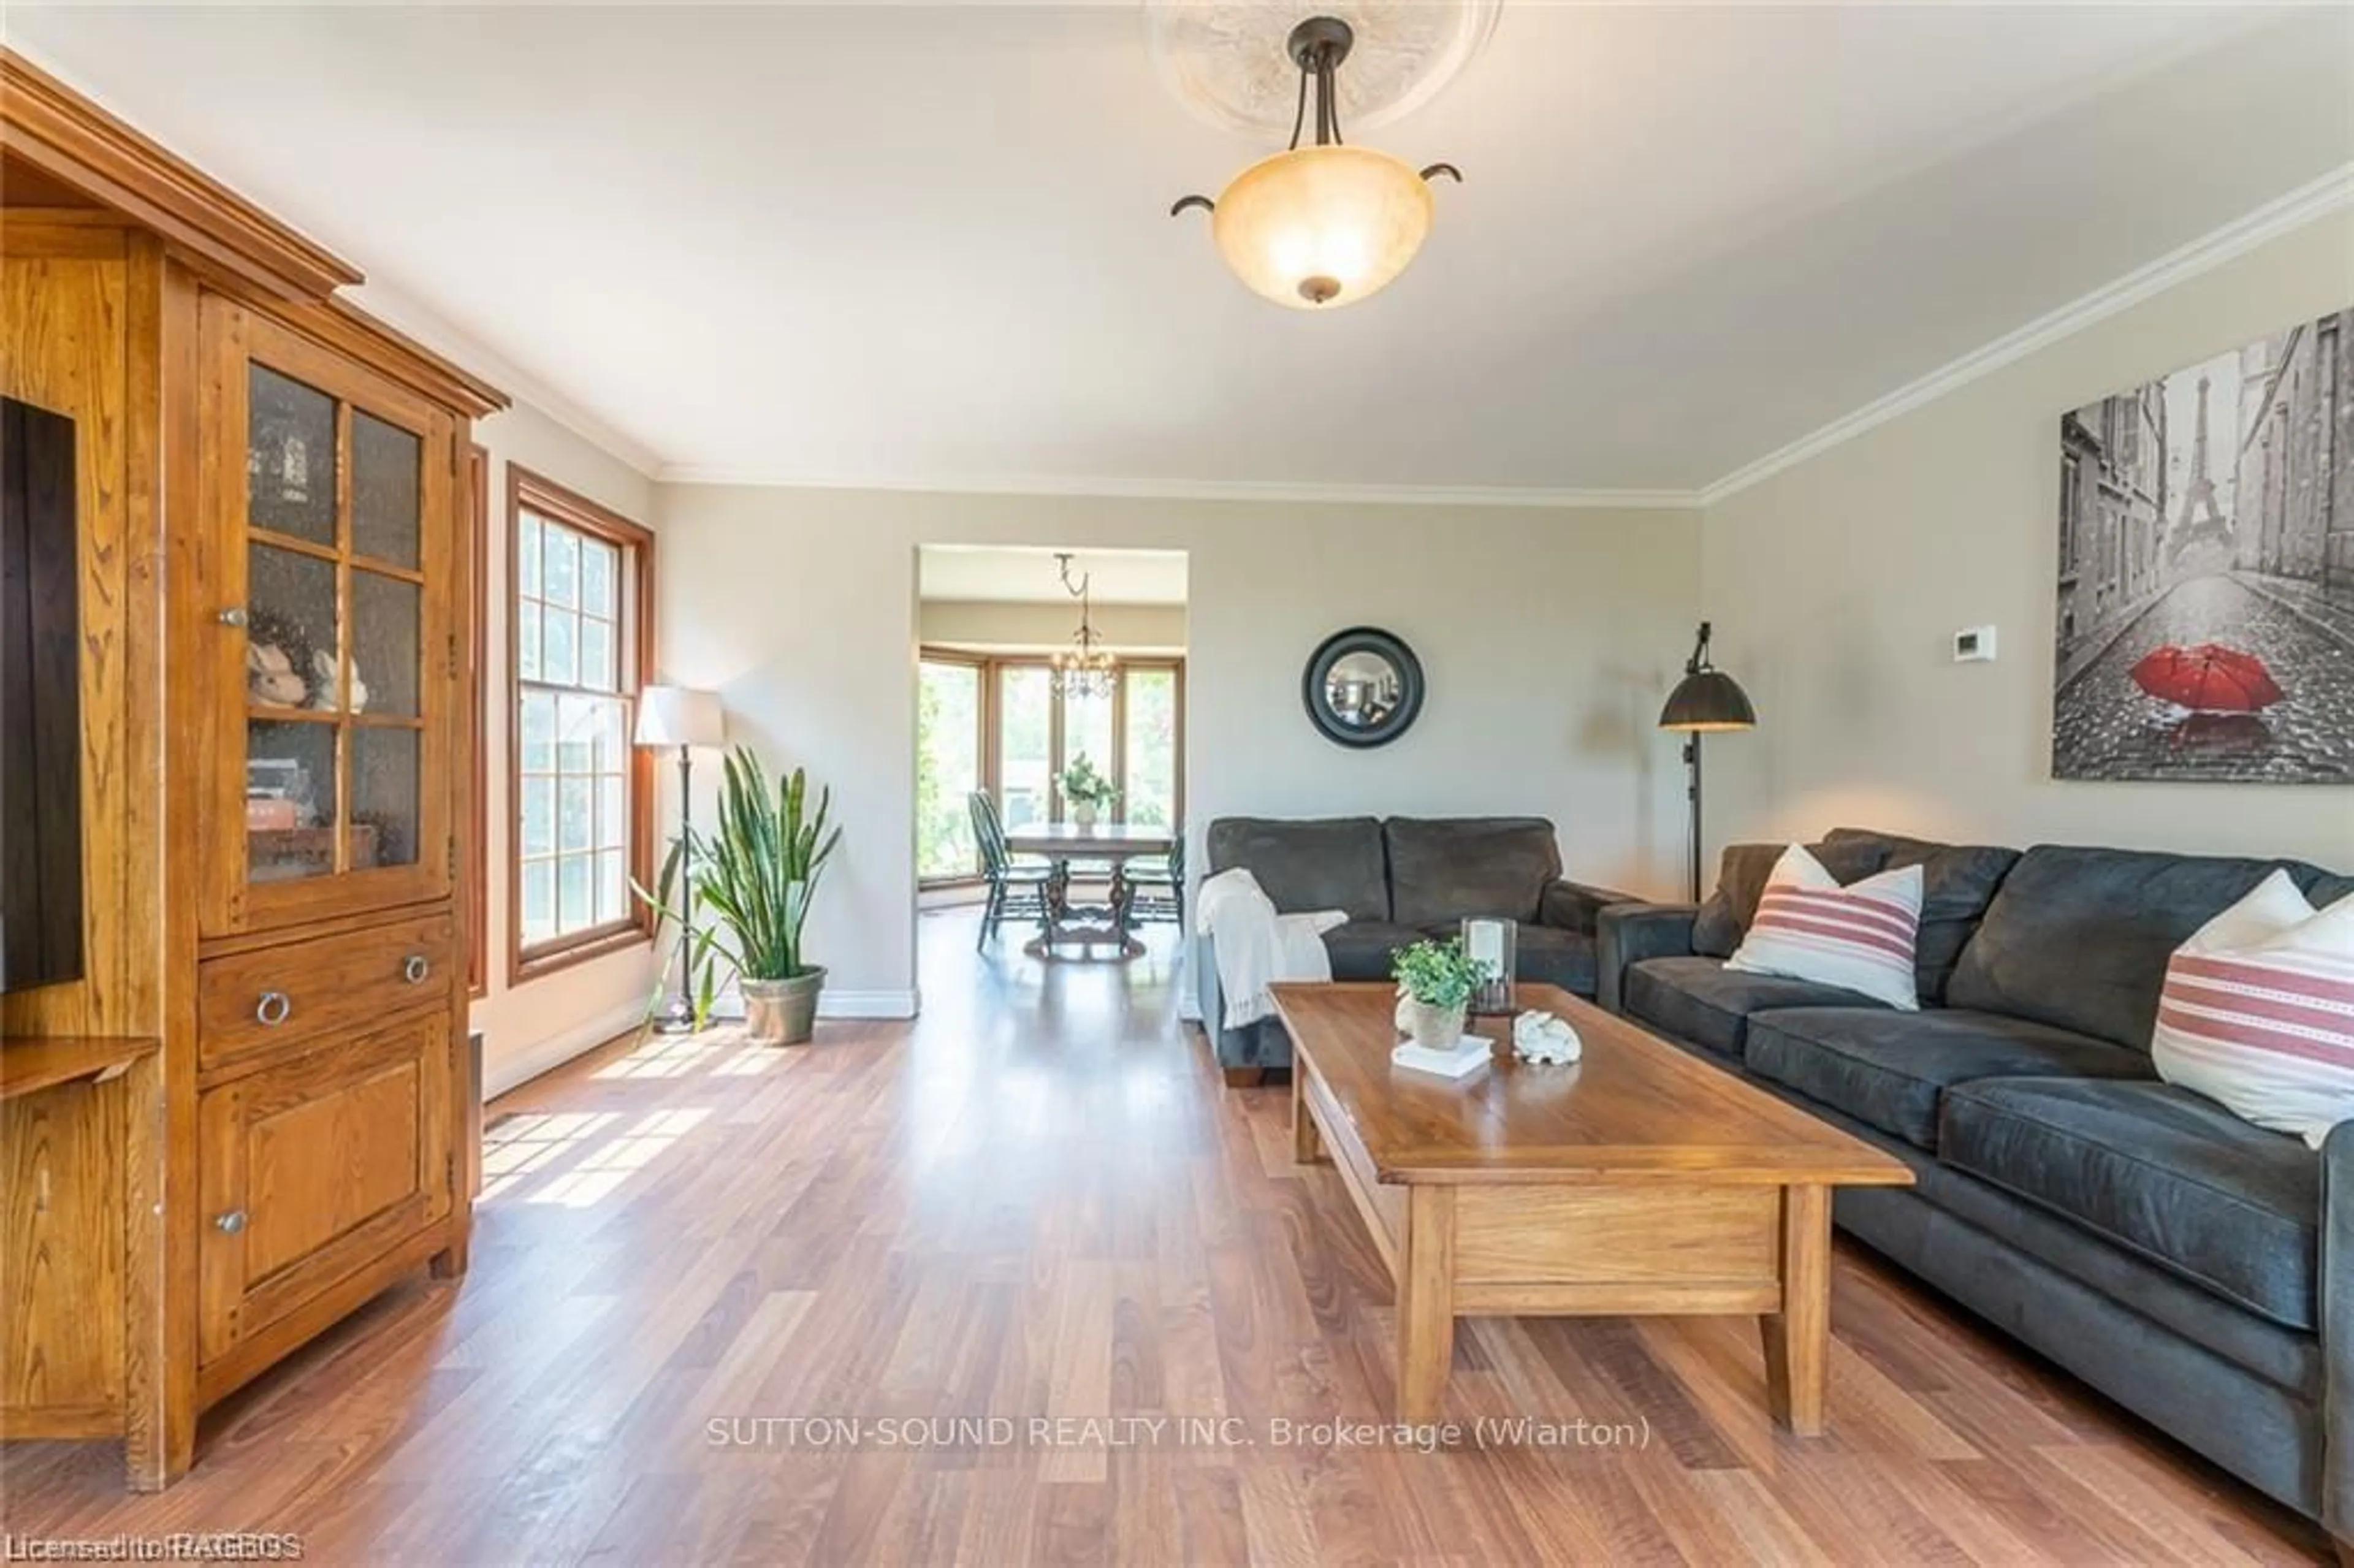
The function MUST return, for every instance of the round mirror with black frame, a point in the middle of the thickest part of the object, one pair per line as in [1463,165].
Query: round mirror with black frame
[1363,687]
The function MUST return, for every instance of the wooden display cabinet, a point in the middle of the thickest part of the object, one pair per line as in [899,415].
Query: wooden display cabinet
[244,1120]
[331,520]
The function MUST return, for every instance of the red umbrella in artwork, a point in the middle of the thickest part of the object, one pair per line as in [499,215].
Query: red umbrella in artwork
[2209,678]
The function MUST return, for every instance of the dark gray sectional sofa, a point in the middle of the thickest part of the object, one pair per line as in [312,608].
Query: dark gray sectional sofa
[2195,1268]
[1399,880]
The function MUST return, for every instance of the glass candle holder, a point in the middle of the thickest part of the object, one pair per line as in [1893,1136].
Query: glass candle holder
[1495,944]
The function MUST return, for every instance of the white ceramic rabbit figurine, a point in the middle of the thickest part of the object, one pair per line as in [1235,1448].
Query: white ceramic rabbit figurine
[1542,1037]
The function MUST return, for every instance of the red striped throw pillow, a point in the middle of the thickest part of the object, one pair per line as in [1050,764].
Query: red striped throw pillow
[1860,937]
[2258,1011]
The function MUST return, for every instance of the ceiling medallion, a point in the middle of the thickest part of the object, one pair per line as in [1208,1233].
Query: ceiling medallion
[1327,224]
[1226,61]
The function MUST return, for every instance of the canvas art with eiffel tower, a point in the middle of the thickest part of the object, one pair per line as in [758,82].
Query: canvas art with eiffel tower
[2205,626]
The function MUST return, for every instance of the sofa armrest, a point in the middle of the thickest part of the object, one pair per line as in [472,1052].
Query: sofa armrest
[1255,1047]
[1627,934]
[1575,905]
[2334,1271]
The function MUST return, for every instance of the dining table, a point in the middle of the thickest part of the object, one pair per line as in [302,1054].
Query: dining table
[1088,928]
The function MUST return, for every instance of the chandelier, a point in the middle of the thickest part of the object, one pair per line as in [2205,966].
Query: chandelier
[1324,225]
[1083,669]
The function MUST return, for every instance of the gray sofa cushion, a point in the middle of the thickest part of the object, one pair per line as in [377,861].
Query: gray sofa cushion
[1888,1069]
[1544,955]
[1363,949]
[1444,868]
[2159,1171]
[1741,877]
[1700,1000]
[2284,1357]
[2079,937]
[1332,862]
[1957,883]
[1548,955]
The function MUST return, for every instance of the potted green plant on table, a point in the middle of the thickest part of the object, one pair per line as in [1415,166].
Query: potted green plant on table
[1087,790]
[1435,981]
[754,872]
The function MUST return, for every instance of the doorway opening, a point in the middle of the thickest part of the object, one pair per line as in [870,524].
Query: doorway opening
[1008,712]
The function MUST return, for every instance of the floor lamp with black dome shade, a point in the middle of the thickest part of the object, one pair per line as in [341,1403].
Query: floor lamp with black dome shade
[1705,700]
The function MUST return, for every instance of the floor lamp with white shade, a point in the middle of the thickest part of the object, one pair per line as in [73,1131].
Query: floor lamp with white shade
[683,717]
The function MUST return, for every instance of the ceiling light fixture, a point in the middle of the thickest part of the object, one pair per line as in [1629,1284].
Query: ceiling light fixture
[1329,225]
[1083,670]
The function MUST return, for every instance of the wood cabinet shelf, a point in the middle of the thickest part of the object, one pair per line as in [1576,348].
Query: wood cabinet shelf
[31,1062]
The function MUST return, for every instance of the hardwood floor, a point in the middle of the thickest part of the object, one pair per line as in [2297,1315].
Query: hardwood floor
[1040,1203]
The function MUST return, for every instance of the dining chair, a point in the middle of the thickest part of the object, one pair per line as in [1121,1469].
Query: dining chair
[1160,884]
[1015,887]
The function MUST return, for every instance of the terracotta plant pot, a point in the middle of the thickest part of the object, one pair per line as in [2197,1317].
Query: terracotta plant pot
[782,1011]
[1433,1028]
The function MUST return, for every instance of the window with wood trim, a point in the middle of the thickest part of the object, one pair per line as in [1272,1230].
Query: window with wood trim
[951,720]
[581,646]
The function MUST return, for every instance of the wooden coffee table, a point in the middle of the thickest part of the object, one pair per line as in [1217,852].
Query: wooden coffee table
[1637,1182]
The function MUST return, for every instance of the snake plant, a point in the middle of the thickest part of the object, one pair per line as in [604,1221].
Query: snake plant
[756,872]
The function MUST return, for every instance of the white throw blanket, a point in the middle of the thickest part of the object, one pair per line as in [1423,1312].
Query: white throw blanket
[1256,946]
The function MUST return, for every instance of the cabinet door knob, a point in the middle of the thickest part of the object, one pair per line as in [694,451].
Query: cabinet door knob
[273,1009]
[230,1222]
[414,969]
[233,616]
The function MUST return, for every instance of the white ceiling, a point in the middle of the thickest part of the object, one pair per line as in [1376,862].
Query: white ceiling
[1010,573]
[890,244]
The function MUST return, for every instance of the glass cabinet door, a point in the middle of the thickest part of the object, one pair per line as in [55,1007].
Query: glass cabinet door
[338,521]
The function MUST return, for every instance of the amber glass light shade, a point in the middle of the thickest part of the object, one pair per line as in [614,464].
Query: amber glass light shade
[1320,226]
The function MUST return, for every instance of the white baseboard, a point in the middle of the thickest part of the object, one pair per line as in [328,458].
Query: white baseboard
[869,1003]
[833,1003]
[513,1072]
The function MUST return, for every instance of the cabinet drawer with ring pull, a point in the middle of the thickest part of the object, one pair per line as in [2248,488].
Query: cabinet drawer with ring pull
[268,1000]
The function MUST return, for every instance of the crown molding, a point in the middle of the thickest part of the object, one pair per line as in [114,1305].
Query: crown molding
[1199,490]
[2316,199]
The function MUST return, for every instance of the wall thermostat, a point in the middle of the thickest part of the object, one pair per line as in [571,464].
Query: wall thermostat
[1974,645]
